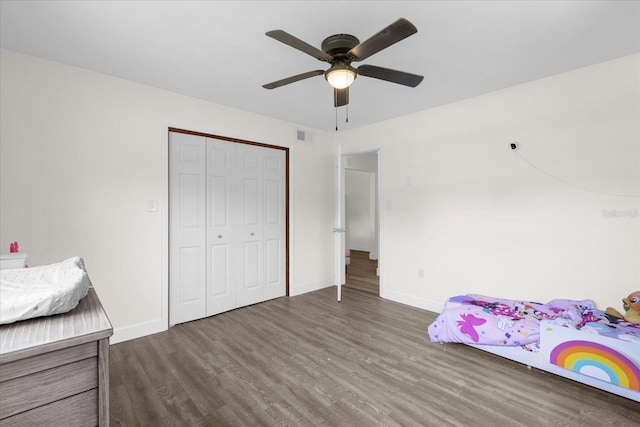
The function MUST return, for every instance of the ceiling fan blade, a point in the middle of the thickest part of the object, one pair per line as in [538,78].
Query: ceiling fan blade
[340,97]
[392,34]
[296,43]
[293,79]
[393,76]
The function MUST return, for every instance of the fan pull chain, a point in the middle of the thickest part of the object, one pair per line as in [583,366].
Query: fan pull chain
[347,116]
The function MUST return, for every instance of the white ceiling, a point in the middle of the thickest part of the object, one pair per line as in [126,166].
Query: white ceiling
[217,50]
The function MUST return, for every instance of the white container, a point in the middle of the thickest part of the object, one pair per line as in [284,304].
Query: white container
[13,260]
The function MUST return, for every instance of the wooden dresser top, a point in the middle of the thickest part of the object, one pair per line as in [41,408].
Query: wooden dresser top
[87,322]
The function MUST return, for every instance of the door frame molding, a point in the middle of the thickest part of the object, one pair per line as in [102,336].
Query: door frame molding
[165,217]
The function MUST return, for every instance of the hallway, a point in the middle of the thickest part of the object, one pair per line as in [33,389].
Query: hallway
[361,273]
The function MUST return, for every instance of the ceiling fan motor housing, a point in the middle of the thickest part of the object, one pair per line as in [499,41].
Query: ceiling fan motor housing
[339,45]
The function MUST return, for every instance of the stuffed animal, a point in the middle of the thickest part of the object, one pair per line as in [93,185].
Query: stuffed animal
[631,305]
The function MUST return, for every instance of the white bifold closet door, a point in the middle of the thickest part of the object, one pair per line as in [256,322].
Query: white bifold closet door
[227,225]
[187,231]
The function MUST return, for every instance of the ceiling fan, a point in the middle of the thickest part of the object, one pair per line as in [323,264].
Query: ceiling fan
[340,50]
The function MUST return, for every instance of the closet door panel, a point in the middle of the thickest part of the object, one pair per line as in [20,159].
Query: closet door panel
[251,271]
[189,277]
[273,274]
[251,206]
[274,228]
[250,212]
[221,189]
[187,254]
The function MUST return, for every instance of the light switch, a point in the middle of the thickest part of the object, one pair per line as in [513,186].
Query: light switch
[152,205]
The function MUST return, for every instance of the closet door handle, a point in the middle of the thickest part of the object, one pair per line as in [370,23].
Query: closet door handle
[252,233]
[219,236]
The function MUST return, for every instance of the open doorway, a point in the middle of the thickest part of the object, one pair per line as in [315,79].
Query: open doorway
[362,240]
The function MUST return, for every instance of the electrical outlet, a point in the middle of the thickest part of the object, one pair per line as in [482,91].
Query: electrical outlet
[420,273]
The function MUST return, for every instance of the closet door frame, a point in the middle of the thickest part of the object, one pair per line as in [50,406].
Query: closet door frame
[286,197]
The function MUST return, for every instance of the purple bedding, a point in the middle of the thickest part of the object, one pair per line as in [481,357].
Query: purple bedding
[478,319]
[598,322]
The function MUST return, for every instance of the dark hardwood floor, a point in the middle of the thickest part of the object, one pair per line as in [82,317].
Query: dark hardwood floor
[311,361]
[361,273]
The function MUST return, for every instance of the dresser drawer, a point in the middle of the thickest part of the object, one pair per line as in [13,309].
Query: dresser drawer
[40,388]
[41,362]
[79,410]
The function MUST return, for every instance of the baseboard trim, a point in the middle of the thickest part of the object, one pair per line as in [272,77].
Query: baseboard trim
[154,326]
[412,300]
[137,331]
[310,287]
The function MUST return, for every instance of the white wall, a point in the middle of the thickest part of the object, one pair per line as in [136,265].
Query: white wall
[82,153]
[477,218]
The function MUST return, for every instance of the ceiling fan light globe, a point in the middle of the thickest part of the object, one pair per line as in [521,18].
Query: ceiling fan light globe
[340,78]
